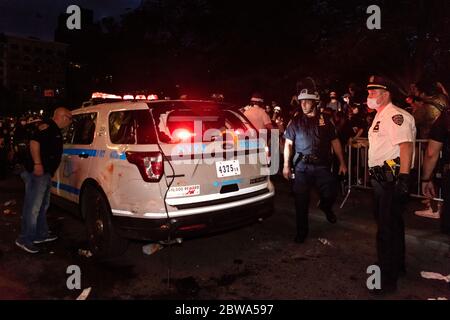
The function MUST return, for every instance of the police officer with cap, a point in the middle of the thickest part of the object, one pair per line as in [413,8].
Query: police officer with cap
[309,139]
[391,148]
[439,140]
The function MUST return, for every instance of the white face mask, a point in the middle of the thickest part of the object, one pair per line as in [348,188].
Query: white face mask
[372,103]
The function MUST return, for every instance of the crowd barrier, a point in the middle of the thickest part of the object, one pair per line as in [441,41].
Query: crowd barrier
[358,171]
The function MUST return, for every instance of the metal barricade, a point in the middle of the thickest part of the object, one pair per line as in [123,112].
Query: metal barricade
[358,176]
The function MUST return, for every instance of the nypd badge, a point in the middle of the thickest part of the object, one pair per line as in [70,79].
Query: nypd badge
[321,121]
[377,127]
[398,119]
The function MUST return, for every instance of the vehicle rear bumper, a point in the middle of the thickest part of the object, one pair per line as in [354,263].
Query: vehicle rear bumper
[193,225]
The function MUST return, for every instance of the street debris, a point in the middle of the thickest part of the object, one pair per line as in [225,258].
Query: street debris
[428,213]
[325,242]
[84,294]
[171,242]
[85,253]
[435,276]
[440,298]
[151,248]
[10,203]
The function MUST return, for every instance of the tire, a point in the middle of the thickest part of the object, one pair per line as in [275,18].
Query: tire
[104,242]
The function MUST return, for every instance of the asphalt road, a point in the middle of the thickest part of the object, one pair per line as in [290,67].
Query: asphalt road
[256,262]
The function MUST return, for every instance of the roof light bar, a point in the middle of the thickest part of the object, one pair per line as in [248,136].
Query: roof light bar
[101,95]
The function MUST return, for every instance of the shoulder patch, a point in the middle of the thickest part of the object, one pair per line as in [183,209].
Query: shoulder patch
[398,119]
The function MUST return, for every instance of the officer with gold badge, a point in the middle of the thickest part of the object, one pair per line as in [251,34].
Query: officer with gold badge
[391,148]
[310,136]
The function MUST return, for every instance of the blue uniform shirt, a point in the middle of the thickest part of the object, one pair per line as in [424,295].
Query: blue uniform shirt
[316,141]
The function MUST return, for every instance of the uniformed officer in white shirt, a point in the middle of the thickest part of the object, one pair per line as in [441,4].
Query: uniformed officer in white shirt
[391,149]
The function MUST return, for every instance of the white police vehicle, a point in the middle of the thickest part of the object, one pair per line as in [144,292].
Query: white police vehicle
[161,169]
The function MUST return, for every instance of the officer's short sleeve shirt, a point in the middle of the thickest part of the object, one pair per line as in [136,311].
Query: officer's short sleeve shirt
[390,128]
[318,143]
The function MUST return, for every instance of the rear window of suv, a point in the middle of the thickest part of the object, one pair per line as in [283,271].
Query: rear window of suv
[176,121]
[132,127]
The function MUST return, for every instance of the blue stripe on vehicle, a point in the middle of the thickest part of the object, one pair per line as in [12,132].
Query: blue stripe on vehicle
[227,182]
[66,187]
[72,152]
[117,156]
[95,153]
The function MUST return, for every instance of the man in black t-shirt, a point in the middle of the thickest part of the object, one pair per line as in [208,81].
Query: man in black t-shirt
[439,139]
[46,147]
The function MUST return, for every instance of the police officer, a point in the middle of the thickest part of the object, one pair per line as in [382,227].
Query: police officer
[439,139]
[256,113]
[391,147]
[309,139]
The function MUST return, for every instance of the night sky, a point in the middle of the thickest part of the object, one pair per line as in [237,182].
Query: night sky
[38,18]
[236,47]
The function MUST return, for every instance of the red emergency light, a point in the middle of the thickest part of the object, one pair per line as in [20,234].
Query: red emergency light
[128,97]
[140,97]
[101,95]
[152,97]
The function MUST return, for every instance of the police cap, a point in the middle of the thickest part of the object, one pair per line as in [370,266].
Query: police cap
[377,82]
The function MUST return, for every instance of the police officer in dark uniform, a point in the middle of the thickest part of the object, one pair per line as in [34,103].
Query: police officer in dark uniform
[309,139]
[391,148]
[439,140]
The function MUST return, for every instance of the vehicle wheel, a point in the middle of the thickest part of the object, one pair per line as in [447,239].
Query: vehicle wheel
[103,240]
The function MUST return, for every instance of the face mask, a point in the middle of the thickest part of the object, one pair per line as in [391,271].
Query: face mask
[355,111]
[372,103]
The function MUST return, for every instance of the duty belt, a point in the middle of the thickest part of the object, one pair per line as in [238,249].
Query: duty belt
[310,159]
[387,172]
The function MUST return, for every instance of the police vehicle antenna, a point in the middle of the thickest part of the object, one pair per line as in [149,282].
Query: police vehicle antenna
[169,236]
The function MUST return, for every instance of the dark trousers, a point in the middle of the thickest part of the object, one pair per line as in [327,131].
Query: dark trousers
[388,210]
[307,176]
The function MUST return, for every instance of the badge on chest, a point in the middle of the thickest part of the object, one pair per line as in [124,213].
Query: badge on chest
[376,128]
[321,121]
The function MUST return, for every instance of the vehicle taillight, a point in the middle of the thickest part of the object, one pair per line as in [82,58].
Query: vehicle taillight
[150,164]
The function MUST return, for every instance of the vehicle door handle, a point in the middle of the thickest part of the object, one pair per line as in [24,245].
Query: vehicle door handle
[83,155]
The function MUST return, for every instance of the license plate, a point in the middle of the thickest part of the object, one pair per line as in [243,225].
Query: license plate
[228,168]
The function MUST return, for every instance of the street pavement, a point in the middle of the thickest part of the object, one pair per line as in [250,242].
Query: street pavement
[259,261]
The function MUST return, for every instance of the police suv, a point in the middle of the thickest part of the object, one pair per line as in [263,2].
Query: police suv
[161,170]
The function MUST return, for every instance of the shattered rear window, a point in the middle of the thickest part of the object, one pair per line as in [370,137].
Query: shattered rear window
[177,121]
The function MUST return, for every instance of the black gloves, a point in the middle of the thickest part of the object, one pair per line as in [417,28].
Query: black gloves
[402,185]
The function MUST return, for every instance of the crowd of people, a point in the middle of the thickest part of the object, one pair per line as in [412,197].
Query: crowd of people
[319,129]
[14,135]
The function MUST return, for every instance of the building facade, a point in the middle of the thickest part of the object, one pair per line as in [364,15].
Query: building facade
[33,71]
